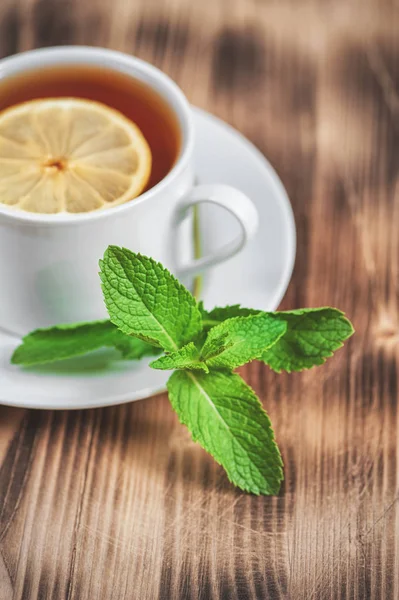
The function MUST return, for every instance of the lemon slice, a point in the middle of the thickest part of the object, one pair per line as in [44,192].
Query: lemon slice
[69,155]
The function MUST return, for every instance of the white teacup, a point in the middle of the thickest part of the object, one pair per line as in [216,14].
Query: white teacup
[49,263]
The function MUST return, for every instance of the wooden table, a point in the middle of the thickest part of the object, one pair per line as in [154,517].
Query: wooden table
[118,503]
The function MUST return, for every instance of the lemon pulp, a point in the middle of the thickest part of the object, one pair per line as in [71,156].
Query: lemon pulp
[69,155]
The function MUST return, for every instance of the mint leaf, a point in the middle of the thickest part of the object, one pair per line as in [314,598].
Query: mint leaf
[239,340]
[313,334]
[145,300]
[225,416]
[132,348]
[220,314]
[187,357]
[66,341]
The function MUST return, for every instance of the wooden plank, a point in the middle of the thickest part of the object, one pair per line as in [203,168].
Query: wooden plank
[119,503]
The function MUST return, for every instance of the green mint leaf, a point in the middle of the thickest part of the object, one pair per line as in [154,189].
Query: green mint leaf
[187,357]
[313,334]
[225,416]
[236,341]
[132,348]
[66,341]
[145,300]
[220,314]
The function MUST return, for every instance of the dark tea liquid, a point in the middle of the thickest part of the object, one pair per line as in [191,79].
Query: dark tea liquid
[135,100]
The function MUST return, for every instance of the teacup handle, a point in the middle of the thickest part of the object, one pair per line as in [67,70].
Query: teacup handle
[237,204]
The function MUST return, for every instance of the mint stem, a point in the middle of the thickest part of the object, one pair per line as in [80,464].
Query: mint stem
[197,288]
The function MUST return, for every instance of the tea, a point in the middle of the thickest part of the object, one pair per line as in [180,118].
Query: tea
[135,100]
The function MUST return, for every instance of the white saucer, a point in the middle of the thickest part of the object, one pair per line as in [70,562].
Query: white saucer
[256,278]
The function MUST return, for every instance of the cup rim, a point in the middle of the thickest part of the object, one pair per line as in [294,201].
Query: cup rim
[109,59]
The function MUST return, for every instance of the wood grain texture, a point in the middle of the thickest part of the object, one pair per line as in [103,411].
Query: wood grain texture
[118,503]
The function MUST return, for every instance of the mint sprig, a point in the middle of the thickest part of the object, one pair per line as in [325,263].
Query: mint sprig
[152,312]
